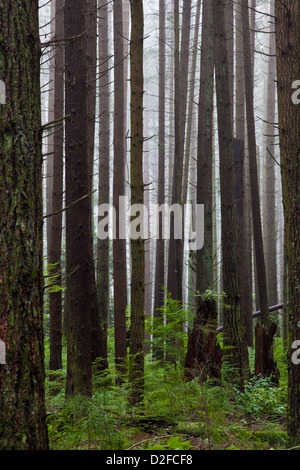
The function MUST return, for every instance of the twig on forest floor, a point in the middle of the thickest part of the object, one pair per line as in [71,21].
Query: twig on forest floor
[153,439]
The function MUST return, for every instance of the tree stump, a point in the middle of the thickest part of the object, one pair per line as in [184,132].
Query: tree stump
[204,357]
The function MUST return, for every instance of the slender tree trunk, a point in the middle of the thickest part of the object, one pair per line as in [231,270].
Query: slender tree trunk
[50,136]
[204,257]
[91,68]
[181,77]
[160,244]
[55,300]
[256,215]
[104,177]
[22,401]
[229,20]
[190,111]
[269,213]
[246,236]
[288,69]
[79,295]
[136,349]
[173,40]
[255,198]
[119,245]
[148,242]
[237,355]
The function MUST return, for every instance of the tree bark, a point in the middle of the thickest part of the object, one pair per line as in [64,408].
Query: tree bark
[256,214]
[160,244]
[137,323]
[104,177]
[22,401]
[55,298]
[288,69]
[237,355]
[175,266]
[204,257]
[91,68]
[269,213]
[119,245]
[245,238]
[79,263]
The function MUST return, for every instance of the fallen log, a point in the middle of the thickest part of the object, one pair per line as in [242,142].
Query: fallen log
[257,314]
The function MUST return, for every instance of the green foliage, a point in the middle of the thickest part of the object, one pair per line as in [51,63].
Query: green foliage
[261,398]
[167,329]
[175,414]
[86,423]
[211,294]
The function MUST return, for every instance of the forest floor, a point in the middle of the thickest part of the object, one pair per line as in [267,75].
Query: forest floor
[176,415]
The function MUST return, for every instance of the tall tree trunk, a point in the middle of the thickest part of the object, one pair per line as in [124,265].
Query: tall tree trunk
[255,198]
[288,69]
[245,261]
[229,20]
[104,177]
[119,244]
[50,136]
[256,215]
[189,182]
[269,213]
[79,262]
[190,110]
[160,244]
[55,300]
[175,267]
[148,242]
[137,324]
[204,257]
[22,401]
[237,355]
[91,68]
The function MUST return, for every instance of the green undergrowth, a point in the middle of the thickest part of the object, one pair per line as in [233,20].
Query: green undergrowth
[174,415]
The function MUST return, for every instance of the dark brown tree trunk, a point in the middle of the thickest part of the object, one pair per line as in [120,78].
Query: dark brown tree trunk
[238,151]
[119,245]
[269,213]
[79,263]
[245,238]
[237,355]
[104,177]
[22,401]
[181,78]
[256,215]
[137,323]
[288,69]
[91,68]
[188,151]
[55,298]
[50,136]
[229,27]
[204,257]
[255,195]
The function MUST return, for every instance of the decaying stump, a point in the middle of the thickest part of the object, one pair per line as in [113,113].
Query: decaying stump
[264,364]
[204,357]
